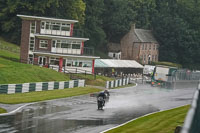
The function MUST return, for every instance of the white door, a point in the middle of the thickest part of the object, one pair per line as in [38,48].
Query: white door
[42,60]
[53,46]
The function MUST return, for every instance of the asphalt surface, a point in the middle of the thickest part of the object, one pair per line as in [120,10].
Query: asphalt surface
[79,114]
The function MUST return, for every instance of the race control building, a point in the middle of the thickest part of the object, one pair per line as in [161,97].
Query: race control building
[50,42]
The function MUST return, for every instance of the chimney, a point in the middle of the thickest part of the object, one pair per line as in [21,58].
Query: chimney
[133,26]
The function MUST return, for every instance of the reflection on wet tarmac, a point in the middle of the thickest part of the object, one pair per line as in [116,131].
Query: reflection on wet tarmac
[35,119]
[75,114]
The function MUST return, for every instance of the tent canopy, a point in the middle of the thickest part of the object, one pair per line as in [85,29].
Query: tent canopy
[103,63]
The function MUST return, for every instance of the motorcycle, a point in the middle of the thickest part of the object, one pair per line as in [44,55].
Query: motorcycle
[106,97]
[100,103]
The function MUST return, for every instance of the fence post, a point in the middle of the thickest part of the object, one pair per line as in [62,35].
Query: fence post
[94,75]
[142,78]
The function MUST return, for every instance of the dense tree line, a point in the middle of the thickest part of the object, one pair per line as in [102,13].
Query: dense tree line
[175,23]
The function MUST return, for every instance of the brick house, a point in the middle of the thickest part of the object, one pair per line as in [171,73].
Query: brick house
[139,45]
[50,42]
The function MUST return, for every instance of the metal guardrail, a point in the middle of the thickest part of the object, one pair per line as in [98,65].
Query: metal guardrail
[192,121]
[71,70]
[186,75]
[39,86]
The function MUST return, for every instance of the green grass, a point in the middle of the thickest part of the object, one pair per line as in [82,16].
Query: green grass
[167,64]
[2,110]
[162,122]
[45,95]
[91,80]
[7,44]
[14,72]
[11,71]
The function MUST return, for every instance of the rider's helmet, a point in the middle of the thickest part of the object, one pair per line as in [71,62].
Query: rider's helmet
[105,91]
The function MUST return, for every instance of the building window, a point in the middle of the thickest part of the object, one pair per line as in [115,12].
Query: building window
[149,46]
[149,57]
[54,44]
[145,46]
[55,26]
[58,45]
[30,59]
[114,55]
[33,27]
[65,44]
[43,43]
[42,25]
[76,46]
[87,64]
[42,60]
[142,46]
[54,61]
[154,47]
[65,27]
[31,43]
[153,58]
[78,63]
[69,62]
[47,27]
[75,63]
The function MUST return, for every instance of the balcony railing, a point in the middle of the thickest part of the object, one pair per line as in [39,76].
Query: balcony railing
[85,51]
[76,33]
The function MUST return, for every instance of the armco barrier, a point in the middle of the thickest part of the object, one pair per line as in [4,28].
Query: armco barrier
[192,121]
[39,86]
[117,82]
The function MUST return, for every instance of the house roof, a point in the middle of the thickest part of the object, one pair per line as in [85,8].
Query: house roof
[114,47]
[100,63]
[145,35]
[117,63]
[45,18]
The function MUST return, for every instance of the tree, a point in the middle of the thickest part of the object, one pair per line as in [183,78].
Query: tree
[11,24]
[120,14]
[93,23]
[178,40]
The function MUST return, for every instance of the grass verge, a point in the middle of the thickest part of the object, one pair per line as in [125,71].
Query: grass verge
[12,72]
[45,95]
[161,122]
[8,44]
[2,110]
[91,80]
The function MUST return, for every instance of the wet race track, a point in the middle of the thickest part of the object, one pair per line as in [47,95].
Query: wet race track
[79,114]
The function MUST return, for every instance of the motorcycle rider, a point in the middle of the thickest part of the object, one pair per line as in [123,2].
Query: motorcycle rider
[103,95]
[106,92]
